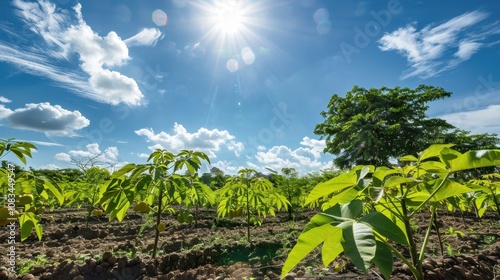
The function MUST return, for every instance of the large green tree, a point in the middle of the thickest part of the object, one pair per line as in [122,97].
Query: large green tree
[371,126]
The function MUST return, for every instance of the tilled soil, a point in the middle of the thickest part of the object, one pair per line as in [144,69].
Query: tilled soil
[217,249]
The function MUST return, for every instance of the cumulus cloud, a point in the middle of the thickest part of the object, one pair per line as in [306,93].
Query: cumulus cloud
[205,140]
[478,121]
[53,120]
[92,155]
[59,36]
[227,167]
[304,159]
[146,37]
[437,48]
[50,166]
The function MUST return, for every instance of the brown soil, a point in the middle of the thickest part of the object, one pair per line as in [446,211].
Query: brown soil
[217,249]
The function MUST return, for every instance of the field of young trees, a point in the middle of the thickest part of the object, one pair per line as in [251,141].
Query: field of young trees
[412,198]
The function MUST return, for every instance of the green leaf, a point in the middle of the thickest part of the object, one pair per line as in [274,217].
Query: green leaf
[39,231]
[54,189]
[124,170]
[307,242]
[433,151]
[26,228]
[323,218]
[336,184]
[408,158]
[352,210]
[450,189]
[331,247]
[342,197]
[359,245]
[383,259]
[380,174]
[395,181]
[383,225]
[470,160]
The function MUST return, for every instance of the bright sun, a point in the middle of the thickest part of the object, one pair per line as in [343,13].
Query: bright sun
[229,20]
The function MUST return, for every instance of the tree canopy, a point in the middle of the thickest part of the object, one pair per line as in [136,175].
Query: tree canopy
[371,126]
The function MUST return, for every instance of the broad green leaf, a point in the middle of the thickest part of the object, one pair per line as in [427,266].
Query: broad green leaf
[433,151]
[362,173]
[323,218]
[376,193]
[124,170]
[380,174]
[336,184]
[55,189]
[417,197]
[383,225]
[121,213]
[408,158]
[352,210]
[359,245]
[39,231]
[470,160]
[342,197]
[307,242]
[450,189]
[332,247]
[383,259]
[395,181]
[26,228]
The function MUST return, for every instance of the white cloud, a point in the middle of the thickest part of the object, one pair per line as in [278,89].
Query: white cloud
[53,120]
[205,140]
[304,159]
[142,155]
[477,121]
[467,49]
[4,112]
[92,153]
[428,50]
[227,167]
[147,37]
[63,34]
[50,166]
[5,100]
[42,143]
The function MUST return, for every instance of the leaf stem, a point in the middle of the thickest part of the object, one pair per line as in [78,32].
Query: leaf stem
[430,196]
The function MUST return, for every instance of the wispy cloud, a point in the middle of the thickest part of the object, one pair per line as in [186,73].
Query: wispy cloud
[437,48]
[59,34]
[205,140]
[146,37]
[53,120]
[4,100]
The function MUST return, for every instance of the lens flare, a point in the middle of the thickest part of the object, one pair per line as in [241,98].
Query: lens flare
[247,55]
[160,17]
[232,65]
[323,24]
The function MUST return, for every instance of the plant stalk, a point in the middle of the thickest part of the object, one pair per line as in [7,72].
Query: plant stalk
[158,219]
[427,235]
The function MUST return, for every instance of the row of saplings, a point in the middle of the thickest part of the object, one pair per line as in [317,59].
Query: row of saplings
[367,209]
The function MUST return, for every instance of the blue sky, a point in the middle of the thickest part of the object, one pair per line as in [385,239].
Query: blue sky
[243,81]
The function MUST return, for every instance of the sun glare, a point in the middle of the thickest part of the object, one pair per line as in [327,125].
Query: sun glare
[231,25]
[229,20]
